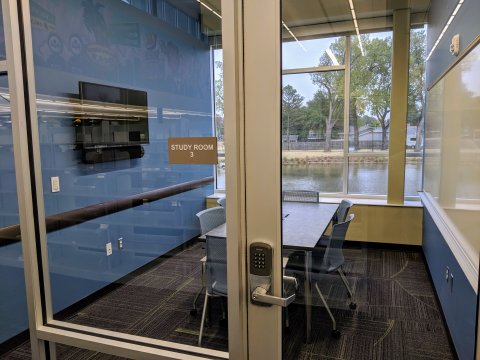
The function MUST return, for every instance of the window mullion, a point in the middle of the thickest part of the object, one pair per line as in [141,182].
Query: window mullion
[346,114]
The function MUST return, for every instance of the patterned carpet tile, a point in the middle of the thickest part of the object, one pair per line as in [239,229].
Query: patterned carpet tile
[397,315]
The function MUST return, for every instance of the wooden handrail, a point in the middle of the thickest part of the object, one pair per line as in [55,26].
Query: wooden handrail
[11,234]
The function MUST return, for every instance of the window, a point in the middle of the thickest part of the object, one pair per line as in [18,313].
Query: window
[323,148]
[416,113]
[218,123]
[369,118]
[306,53]
[312,131]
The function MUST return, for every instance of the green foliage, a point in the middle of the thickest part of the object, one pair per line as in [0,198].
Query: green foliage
[292,112]
[416,89]
[219,90]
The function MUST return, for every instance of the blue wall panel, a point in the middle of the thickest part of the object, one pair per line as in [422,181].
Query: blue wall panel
[107,42]
[466,23]
[459,303]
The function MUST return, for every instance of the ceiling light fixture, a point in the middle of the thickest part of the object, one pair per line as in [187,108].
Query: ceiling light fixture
[450,19]
[291,33]
[355,23]
[332,57]
[209,8]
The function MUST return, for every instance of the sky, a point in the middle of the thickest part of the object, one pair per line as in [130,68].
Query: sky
[305,55]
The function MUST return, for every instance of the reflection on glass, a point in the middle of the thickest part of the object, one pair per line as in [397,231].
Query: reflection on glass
[306,53]
[134,266]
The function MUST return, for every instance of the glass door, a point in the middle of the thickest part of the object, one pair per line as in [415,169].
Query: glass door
[119,109]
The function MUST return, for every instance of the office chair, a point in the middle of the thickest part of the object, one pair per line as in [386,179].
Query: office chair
[209,219]
[330,259]
[216,275]
[339,217]
[325,260]
[300,196]
[222,202]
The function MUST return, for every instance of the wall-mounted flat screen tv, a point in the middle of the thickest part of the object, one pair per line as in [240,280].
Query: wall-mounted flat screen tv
[111,116]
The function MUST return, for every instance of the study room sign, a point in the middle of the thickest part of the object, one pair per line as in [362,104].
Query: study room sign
[192,150]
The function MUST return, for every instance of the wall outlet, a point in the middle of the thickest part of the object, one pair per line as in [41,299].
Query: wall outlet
[108,248]
[447,274]
[120,243]
[55,183]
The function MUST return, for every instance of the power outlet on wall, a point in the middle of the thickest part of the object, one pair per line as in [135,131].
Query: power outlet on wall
[120,243]
[108,248]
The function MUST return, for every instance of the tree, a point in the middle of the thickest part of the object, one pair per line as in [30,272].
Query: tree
[219,89]
[416,84]
[360,77]
[315,114]
[379,53]
[219,120]
[292,103]
[331,84]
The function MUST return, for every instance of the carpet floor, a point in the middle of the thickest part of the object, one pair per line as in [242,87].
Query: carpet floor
[397,315]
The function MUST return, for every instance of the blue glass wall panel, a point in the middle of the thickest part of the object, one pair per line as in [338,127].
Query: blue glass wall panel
[13,309]
[113,43]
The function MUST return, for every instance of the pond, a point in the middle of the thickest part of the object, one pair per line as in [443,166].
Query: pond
[363,178]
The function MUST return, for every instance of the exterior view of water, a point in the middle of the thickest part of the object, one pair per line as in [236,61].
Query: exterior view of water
[371,179]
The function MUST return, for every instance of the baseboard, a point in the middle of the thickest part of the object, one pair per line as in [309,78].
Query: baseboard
[13,342]
[376,245]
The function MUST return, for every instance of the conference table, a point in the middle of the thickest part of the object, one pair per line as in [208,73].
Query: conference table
[302,225]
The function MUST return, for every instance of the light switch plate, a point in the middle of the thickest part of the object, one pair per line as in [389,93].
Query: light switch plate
[55,182]
[108,248]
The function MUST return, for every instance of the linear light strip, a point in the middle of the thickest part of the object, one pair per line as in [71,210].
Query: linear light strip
[209,8]
[332,57]
[355,23]
[450,19]
[291,33]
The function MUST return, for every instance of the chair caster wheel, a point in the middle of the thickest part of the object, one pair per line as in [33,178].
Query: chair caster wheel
[336,334]
[193,312]
[353,306]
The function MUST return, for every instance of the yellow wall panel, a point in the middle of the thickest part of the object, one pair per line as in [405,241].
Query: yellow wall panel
[386,224]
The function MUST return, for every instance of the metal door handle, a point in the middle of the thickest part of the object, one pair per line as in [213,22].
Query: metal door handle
[260,295]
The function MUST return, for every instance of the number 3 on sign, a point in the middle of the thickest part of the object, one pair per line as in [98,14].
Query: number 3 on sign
[191,153]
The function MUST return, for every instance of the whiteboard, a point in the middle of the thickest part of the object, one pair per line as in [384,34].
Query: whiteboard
[452,146]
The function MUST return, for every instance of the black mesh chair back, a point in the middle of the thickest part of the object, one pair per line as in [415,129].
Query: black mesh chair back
[333,257]
[222,202]
[342,211]
[300,196]
[216,265]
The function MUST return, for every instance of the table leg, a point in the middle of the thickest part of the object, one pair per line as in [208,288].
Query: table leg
[308,296]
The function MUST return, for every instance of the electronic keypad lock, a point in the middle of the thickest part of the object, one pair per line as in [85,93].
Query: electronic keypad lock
[261,255]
